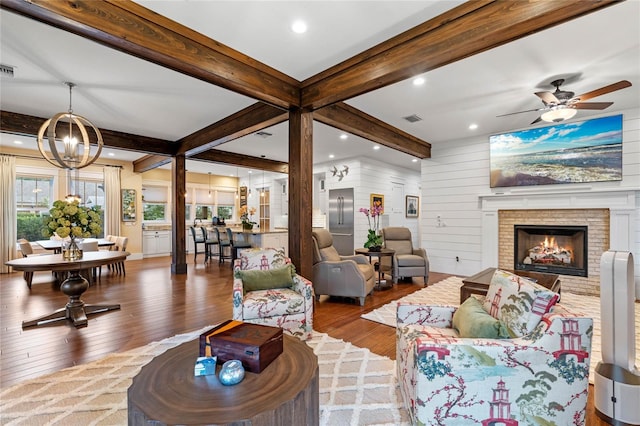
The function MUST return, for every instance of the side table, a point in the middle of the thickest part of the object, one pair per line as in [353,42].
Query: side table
[379,255]
[165,391]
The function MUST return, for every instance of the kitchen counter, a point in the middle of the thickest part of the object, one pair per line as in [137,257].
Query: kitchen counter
[258,231]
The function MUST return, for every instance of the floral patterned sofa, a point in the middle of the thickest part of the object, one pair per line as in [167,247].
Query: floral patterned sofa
[266,290]
[537,375]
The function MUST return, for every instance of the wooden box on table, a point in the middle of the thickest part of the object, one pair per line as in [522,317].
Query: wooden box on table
[254,344]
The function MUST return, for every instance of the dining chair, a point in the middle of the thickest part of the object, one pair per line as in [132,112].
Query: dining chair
[88,246]
[26,250]
[121,244]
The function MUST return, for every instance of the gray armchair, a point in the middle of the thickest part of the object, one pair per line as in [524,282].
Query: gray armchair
[407,261]
[335,275]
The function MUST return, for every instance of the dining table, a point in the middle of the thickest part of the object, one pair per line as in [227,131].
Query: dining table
[56,245]
[73,286]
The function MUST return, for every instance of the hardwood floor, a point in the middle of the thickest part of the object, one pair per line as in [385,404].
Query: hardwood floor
[155,305]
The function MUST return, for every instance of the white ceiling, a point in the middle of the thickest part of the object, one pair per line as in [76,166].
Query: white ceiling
[119,92]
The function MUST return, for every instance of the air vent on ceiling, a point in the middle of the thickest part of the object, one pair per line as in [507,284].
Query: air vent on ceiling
[264,134]
[6,71]
[412,118]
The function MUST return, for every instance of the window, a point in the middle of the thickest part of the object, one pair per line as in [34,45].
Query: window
[154,203]
[204,212]
[226,203]
[225,212]
[34,196]
[91,192]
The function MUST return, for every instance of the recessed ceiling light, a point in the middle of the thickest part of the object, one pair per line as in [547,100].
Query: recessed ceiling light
[344,136]
[17,142]
[415,160]
[473,126]
[331,156]
[250,171]
[111,154]
[418,81]
[376,147]
[299,27]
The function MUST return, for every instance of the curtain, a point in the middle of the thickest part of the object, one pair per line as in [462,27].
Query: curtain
[8,216]
[112,200]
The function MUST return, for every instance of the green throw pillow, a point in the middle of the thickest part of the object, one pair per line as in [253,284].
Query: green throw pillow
[255,279]
[471,320]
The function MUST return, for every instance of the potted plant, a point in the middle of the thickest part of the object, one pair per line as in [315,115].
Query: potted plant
[374,240]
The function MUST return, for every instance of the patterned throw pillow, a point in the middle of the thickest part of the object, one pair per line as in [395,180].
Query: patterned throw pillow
[471,320]
[518,302]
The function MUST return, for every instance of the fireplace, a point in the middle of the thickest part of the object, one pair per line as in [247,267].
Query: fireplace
[550,248]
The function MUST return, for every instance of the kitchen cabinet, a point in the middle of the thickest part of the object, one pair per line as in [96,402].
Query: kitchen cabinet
[156,243]
[271,239]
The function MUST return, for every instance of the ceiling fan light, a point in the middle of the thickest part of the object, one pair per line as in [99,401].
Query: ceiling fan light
[558,114]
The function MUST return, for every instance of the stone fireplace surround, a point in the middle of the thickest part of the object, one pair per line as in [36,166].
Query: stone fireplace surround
[609,215]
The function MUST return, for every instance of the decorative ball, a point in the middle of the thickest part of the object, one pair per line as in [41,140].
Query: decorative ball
[231,373]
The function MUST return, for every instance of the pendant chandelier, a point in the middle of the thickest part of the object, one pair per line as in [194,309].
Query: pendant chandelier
[66,151]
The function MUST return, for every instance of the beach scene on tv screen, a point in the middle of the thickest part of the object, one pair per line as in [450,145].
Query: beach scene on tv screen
[584,151]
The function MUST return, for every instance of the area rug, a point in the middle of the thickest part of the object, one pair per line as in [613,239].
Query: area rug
[357,387]
[447,292]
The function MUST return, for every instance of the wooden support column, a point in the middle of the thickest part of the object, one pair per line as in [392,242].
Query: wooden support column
[178,242]
[301,190]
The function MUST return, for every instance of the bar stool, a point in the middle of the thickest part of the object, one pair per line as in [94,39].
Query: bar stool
[208,243]
[235,245]
[198,240]
[222,244]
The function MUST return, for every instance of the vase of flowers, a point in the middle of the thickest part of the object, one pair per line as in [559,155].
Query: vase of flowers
[374,240]
[246,214]
[73,221]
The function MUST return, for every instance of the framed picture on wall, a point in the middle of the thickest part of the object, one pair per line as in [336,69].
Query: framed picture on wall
[377,200]
[412,206]
[128,205]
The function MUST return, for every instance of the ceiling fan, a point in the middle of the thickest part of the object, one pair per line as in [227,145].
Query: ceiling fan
[562,104]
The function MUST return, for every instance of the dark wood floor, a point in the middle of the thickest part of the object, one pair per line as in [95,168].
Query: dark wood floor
[155,305]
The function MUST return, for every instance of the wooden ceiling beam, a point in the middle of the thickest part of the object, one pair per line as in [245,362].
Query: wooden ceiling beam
[466,30]
[133,29]
[12,122]
[241,160]
[354,121]
[150,162]
[249,120]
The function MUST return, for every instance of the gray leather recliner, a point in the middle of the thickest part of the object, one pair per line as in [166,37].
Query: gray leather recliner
[407,261]
[335,275]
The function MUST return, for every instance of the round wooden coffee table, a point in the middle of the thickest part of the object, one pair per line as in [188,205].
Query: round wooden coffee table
[286,392]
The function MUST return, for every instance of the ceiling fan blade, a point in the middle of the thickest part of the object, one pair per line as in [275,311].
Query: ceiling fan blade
[604,90]
[592,105]
[520,112]
[547,98]
[536,120]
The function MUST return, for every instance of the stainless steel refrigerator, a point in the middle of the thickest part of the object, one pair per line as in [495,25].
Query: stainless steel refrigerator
[341,220]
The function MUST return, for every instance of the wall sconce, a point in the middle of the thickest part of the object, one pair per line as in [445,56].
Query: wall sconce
[340,173]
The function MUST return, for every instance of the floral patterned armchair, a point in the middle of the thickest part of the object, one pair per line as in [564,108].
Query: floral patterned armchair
[290,308]
[538,378]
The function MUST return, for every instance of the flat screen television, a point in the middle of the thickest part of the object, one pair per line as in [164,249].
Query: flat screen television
[582,151]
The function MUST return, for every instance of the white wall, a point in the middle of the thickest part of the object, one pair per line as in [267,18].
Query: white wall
[457,175]
[367,176]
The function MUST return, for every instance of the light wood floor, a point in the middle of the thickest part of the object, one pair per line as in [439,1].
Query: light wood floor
[155,305]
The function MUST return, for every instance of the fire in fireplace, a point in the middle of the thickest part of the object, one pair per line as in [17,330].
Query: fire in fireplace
[551,248]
